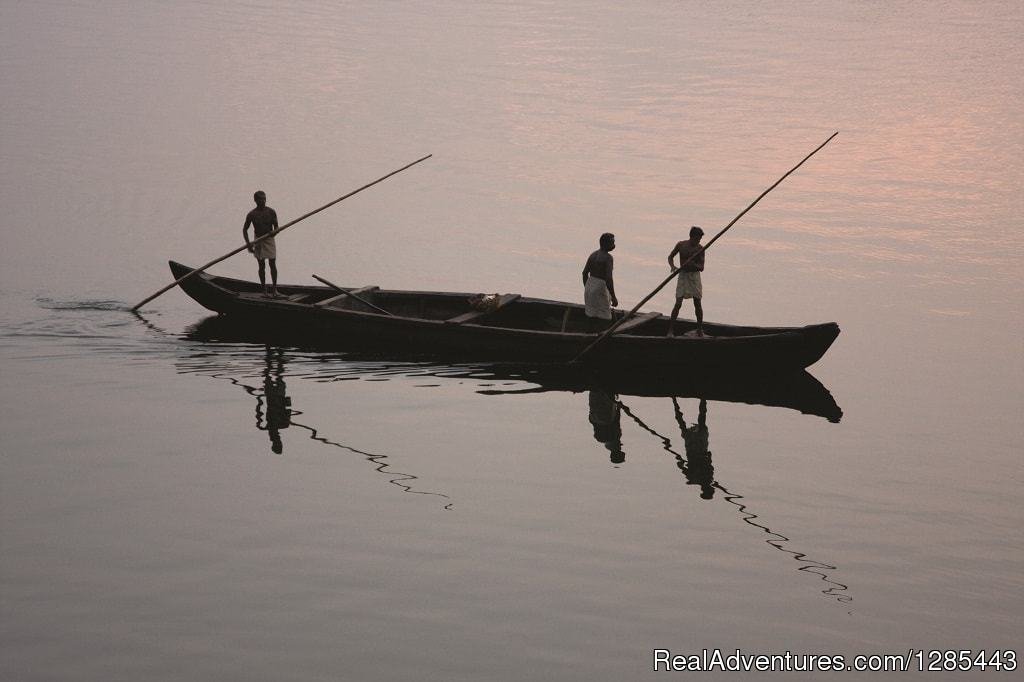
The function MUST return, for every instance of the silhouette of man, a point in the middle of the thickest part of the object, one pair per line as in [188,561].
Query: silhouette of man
[598,285]
[688,283]
[263,220]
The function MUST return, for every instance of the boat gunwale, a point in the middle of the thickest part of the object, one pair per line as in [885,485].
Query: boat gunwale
[770,333]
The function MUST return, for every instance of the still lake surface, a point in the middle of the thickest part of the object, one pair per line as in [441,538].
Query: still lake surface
[175,508]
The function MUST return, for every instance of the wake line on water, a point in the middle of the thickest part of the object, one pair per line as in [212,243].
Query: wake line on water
[90,325]
[100,304]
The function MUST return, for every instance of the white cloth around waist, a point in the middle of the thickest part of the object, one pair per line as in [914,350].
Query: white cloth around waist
[265,249]
[597,299]
[688,285]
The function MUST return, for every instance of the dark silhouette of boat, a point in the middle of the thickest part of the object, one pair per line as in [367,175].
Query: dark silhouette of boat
[504,327]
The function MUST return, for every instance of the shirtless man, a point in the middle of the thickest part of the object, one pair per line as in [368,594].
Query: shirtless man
[263,220]
[598,287]
[688,284]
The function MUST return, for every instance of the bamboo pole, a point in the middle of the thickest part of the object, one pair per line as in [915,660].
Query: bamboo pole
[272,234]
[608,332]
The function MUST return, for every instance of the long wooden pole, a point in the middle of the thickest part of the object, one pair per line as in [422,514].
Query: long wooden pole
[699,251]
[271,234]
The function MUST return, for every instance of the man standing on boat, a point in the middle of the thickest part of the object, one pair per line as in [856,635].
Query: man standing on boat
[598,286]
[263,220]
[688,284]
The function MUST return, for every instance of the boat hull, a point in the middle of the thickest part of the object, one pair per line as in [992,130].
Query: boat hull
[511,335]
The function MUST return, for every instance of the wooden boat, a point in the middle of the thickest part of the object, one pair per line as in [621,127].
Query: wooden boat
[512,327]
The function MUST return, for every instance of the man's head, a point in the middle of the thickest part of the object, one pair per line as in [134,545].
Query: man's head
[607,241]
[260,197]
[696,233]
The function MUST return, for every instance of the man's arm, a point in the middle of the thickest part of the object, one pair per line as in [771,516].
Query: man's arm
[611,280]
[586,272]
[672,255]
[245,231]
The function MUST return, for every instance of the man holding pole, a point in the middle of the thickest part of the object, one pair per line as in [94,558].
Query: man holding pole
[691,260]
[263,220]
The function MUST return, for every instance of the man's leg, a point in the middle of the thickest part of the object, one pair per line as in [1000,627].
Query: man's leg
[675,314]
[263,274]
[700,316]
[273,274]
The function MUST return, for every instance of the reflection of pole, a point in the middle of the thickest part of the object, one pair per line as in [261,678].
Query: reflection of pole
[398,478]
[836,589]
[205,367]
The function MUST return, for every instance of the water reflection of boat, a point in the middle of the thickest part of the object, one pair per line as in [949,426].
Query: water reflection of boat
[797,391]
[503,327]
[224,354]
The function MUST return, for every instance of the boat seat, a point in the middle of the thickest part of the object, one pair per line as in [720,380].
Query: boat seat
[635,322]
[255,295]
[474,315]
[343,295]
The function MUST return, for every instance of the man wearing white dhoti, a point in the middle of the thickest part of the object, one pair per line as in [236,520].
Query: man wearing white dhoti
[598,286]
[263,220]
[691,260]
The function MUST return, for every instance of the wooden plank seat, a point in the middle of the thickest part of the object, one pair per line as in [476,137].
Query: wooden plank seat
[252,295]
[343,295]
[636,321]
[474,315]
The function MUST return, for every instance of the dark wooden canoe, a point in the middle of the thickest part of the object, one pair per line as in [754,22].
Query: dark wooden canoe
[445,323]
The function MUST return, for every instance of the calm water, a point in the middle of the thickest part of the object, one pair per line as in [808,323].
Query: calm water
[177,508]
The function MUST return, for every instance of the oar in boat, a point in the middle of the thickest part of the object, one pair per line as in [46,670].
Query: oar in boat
[355,296]
[273,233]
[701,250]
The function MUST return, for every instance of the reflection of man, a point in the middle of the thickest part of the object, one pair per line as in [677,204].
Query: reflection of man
[604,415]
[697,466]
[278,404]
[278,415]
